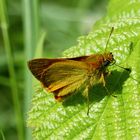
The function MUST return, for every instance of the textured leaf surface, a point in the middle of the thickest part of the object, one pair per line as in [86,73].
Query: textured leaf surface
[110,117]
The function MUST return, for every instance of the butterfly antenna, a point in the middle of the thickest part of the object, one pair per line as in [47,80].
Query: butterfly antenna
[127,69]
[112,29]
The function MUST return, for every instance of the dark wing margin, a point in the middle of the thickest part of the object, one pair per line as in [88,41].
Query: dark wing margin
[38,66]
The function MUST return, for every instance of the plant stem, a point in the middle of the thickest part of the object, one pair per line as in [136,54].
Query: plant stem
[10,61]
[31,28]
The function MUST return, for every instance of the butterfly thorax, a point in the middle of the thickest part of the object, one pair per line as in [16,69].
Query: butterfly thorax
[98,66]
[100,61]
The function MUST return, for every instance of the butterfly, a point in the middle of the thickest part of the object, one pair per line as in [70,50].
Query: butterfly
[65,76]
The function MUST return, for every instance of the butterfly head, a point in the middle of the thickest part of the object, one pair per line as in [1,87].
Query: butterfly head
[108,59]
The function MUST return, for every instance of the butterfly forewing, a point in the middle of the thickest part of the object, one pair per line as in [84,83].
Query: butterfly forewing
[60,77]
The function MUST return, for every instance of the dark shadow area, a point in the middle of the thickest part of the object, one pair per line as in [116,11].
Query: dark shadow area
[114,83]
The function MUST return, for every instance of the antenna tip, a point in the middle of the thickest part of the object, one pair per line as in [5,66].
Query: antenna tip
[112,29]
[128,69]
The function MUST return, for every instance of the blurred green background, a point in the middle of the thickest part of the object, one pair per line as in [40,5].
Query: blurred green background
[29,29]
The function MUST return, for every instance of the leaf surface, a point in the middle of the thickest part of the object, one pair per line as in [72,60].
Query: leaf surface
[110,117]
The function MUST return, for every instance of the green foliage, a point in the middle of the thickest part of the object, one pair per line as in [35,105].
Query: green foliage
[13,84]
[110,117]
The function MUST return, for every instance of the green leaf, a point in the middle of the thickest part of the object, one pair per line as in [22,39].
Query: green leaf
[109,117]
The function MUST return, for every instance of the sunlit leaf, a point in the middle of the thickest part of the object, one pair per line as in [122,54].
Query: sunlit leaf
[110,117]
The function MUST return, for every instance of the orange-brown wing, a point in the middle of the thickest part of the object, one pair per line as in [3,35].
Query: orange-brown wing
[61,77]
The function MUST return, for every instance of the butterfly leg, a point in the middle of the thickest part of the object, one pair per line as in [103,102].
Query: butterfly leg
[109,92]
[102,79]
[86,94]
[107,73]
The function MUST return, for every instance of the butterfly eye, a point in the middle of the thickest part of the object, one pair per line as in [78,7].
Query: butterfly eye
[106,63]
